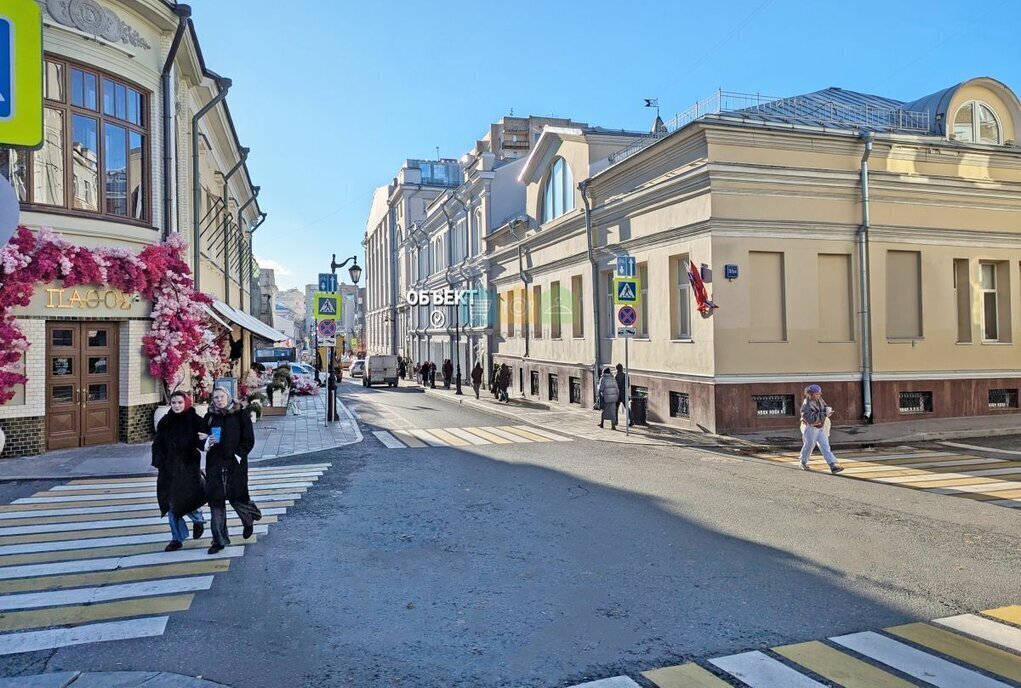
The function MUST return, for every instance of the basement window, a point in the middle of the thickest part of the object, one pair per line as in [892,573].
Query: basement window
[916,402]
[1003,399]
[680,406]
[773,404]
[575,390]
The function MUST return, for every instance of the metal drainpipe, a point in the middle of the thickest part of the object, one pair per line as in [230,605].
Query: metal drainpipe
[226,224]
[183,12]
[583,187]
[241,245]
[223,85]
[863,282]
[467,240]
[456,339]
[524,280]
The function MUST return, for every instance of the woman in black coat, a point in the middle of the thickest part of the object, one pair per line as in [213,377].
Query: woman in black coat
[227,466]
[175,454]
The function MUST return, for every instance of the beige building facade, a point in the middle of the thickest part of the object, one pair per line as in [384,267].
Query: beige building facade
[104,176]
[777,202]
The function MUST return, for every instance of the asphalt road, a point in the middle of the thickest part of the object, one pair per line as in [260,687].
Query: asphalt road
[546,564]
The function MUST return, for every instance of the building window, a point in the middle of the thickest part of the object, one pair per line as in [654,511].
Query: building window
[773,404]
[962,297]
[534,383]
[915,402]
[554,310]
[643,301]
[577,307]
[558,196]
[537,312]
[903,295]
[554,389]
[976,122]
[509,303]
[768,297]
[575,390]
[990,309]
[680,406]
[682,299]
[95,143]
[1003,399]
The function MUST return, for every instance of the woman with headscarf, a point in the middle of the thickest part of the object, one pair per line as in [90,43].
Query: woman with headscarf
[229,438]
[175,454]
[609,393]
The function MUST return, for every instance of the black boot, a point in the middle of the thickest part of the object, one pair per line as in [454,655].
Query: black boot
[173,546]
[197,529]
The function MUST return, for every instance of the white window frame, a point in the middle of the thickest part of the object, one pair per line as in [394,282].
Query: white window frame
[996,299]
[682,291]
[974,105]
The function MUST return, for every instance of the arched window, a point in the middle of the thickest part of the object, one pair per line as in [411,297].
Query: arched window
[976,122]
[558,197]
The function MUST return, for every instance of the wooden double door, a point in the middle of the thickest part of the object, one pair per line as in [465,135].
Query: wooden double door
[81,383]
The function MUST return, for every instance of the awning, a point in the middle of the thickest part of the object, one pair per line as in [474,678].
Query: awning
[248,322]
[215,317]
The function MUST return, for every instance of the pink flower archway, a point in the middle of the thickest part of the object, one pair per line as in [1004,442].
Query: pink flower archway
[179,333]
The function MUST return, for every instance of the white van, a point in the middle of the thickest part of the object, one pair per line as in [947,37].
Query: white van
[380,370]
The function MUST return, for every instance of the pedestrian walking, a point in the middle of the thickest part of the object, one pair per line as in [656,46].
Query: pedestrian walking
[621,381]
[229,439]
[608,397]
[814,415]
[476,376]
[503,379]
[402,367]
[448,373]
[494,381]
[432,375]
[176,457]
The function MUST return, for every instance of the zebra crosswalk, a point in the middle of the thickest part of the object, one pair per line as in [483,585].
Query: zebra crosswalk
[83,562]
[993,480]
[976,650]
[416,438]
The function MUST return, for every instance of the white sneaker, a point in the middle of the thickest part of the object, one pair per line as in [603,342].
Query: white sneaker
[804,466]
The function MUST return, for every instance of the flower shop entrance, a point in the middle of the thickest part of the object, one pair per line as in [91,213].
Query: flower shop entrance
[81,383]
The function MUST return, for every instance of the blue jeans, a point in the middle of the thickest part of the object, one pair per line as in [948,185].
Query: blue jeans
[812,436]
[178,527]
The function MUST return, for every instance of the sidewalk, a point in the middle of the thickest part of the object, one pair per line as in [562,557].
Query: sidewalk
[108,679]
[581,422]
[275,437]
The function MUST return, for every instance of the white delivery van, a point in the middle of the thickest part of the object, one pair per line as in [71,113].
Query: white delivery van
[380,370]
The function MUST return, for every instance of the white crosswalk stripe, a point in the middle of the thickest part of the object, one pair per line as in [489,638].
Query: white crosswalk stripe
[761,671]
[473,436]
[984,629]
[81,587]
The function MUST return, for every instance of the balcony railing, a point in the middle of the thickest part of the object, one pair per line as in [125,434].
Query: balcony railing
[795,110]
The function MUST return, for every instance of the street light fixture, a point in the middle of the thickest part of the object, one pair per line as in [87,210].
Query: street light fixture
[331,382]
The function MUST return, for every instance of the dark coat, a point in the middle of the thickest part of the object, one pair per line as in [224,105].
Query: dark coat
[621,391]
[226,478]
[477,375]
[448,370]
[503,379]
[175,454]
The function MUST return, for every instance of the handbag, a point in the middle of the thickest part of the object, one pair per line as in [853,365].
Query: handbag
[602,402]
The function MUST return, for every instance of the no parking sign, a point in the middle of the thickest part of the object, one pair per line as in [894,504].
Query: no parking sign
[627,315]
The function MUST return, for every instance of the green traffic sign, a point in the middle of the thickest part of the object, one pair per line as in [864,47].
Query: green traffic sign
[626,291]
[21,73]
[327,306]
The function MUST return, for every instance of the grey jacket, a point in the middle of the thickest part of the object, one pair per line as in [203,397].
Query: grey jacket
[813,412]
[608,389]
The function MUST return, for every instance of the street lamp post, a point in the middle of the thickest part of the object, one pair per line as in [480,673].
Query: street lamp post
[331,381]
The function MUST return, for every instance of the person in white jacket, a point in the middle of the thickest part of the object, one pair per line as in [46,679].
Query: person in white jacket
[609,394]
[814,414]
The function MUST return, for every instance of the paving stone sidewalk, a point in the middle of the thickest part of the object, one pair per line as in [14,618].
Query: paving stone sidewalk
[275,437]
[108,679]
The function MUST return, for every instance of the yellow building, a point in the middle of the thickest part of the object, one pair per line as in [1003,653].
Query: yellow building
[865,243]
[123,81]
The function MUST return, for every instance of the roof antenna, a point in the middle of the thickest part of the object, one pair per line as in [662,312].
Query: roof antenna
[437,152]
[512,111]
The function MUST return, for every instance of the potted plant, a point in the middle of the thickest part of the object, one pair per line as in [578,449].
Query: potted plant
[256,401]
[280,383]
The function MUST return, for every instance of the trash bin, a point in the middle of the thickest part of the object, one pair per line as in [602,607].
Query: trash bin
[638,410]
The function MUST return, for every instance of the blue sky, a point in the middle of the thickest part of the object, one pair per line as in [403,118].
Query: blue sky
[332,96]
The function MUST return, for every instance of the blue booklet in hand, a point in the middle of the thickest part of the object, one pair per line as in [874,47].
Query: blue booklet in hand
[215,433]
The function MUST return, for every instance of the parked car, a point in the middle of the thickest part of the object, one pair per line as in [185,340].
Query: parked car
[380,370]
[303,370]
[357,368]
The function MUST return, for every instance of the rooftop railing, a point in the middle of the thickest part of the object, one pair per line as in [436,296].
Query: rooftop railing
[810,110]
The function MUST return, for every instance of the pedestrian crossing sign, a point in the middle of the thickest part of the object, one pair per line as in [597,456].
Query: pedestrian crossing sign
[327,306]
[626,291]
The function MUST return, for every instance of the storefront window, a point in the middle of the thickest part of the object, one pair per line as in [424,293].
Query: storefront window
[95,140]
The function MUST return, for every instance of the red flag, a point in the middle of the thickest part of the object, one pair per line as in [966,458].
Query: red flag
[703,303]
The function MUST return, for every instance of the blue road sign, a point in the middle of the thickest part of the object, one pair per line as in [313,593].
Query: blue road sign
[730,271]
[627,315]
[327,282]
[6,68]
[626,266]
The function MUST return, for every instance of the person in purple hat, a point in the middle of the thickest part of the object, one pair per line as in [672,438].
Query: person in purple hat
[814,413]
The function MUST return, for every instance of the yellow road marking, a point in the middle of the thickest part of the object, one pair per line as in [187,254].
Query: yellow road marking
[684,676]
[75,505]
[105,516]
[251,473]
[408,439]
[978,654]
[99,552]
[449,438]
[526,434]
[495,439]
[86,613]
[1011,614]
[1006,493]
[949,482]
[838,667]
[136,573]
[104,532]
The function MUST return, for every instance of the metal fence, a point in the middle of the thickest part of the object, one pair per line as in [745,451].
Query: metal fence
[811,110]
